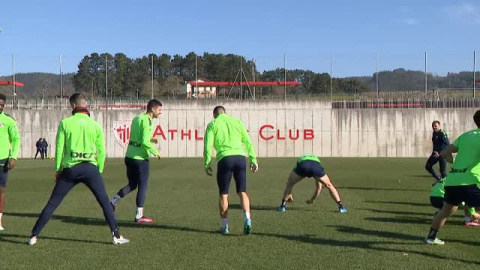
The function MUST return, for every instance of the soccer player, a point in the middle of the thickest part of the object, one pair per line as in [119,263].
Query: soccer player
[310,166]
[9,147]
[461,183]
[79,158]
[228,135]
[137,158]
[440,142]
[437,197]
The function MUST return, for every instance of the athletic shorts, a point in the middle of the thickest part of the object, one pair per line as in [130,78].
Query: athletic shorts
[3,172]
[309,168]
[228,166]
[455,195]
[436,202]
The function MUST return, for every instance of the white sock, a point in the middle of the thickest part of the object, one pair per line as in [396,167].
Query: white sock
[139,212]
[224,222]
[246,216]
[1,214]
[115,199]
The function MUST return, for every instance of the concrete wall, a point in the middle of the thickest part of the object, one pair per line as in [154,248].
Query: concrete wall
[276,128]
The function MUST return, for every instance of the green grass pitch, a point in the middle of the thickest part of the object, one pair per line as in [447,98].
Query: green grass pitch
[388,216]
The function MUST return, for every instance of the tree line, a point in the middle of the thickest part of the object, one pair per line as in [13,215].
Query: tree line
[120,76]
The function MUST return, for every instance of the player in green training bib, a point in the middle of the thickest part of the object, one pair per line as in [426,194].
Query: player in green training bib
[9,147]
[310,166]
[437,198]
[228,136]
[79,158]
[461,184]
[137,158]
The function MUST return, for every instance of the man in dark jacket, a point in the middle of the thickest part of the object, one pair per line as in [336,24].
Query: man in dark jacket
[39,148]
[440,142]
[44,148]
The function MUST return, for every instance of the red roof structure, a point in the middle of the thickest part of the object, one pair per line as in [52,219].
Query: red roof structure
[19,84]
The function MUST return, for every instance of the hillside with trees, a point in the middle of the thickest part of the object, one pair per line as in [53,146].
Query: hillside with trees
[132,77]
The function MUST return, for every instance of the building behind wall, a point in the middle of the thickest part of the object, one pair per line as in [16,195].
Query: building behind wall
[202,92]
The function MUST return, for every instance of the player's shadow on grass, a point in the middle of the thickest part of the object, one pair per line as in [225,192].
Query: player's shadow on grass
[5,237]
[400,203]
[121,224]
[401,220]
[381,211]
[393,235]
[382,189]
[268,208]
[421,176]
[367,245]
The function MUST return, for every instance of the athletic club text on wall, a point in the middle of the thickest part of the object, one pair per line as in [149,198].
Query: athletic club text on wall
[266,132]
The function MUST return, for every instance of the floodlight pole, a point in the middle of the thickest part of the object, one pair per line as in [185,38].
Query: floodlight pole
[285,76]
[61,78]
[331,77]
[474,71]
[106,77]
[253,75]
[152,78]
[376,75]
[426,75]
[13,72]
[241,79]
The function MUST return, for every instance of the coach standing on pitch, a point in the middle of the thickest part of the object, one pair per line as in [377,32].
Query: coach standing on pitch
[228,135]
[440,142]
[9,147]
[79,158]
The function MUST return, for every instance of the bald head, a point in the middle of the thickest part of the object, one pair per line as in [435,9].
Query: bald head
[77,100]
[218,110]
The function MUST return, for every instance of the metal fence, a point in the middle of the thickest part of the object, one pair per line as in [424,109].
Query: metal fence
[407,103]
[345,103]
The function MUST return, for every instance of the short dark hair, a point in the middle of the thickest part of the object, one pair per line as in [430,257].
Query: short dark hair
[217,110]
[152,104]
[76,98]
[476,118]
[435,122]
[3,97]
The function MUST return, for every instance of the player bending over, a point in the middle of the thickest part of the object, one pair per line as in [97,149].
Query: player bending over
[310,166]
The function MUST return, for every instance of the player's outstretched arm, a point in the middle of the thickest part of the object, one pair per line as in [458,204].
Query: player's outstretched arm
[207,148]
[447,153]
[100,145]
[59,147]
[14,138]
[248,144]
[146,138]
[318,189]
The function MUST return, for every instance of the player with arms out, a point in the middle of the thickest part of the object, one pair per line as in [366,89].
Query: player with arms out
[137,158]
[9,147]
[228,135]
[461,184]
[79,158]
[310,166]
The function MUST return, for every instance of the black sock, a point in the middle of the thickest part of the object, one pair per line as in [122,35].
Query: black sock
[339,203]
[116,233]
[284,203]
[432,234]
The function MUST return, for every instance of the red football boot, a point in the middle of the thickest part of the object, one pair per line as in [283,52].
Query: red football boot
[144,220]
